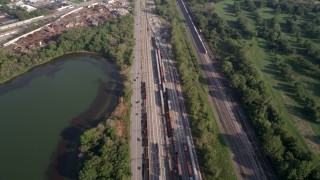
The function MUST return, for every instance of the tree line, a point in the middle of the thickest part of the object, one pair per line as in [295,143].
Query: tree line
[291,160]
[23,14]
[105,152]
[112,40]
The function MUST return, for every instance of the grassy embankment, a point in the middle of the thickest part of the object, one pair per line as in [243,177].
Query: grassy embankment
[212,152]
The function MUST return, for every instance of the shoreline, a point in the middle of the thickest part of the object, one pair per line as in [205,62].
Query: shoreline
[8,80]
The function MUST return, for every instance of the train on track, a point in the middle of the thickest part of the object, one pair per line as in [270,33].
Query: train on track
[194,31]
[167,112]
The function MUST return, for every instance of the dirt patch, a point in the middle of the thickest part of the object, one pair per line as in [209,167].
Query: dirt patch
[89,16]
[121,108]
[306,131]
[117,116]
[120,127]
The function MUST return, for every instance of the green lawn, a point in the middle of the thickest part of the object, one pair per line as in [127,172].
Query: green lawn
[280,89]
[266,12]
[281,92]
[224,9]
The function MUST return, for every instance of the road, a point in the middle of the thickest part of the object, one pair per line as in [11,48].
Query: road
[135,118]
[144,70]
[6,35]
[248,159]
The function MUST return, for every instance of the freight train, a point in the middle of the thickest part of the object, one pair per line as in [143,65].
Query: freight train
[178,166]
[193,29]
[194,168]
[159,61]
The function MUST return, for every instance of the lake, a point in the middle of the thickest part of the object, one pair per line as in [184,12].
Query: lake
[44,111]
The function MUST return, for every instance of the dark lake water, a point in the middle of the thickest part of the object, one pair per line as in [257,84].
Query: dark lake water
[44,111]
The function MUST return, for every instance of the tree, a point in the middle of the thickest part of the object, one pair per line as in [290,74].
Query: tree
[293,27]
[261,3]
[89,170]
[288,7]
[277,27]
[238,81]
[227,67]
[299,169]
[286,71]
[299,11]
[250,96]
[243,24]
[251,5]
[273,3]
[89,139]
[311,49]
[274,115]
[284,45]
[237,9]
[278,9]
[259,18]
[272,146]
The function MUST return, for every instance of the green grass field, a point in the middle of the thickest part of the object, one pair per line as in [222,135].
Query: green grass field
[281,91]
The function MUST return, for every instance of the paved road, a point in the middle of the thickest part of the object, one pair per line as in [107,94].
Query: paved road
[244,148]
[135,127]
[7,34]
[144,70]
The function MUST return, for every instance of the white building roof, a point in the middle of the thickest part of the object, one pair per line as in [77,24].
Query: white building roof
[34,1]
[28,7]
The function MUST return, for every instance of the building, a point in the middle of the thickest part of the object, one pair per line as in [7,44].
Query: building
[108,1]
[28,7]
[22,5]
[35,1]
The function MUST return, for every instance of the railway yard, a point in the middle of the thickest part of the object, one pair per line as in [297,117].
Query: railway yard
[166,138]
